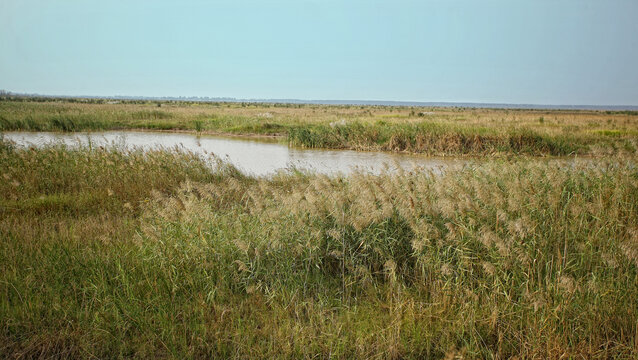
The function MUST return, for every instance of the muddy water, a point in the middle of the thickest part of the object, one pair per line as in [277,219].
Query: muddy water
[257,157]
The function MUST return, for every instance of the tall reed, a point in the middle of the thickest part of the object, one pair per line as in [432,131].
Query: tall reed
[509,258]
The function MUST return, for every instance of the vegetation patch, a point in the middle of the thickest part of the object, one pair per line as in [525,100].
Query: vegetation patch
[425,130]
[109,252]
[432,139]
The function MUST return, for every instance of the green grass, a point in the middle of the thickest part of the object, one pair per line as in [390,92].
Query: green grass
[31,117]
[433,138]
[112,253]
[426,131]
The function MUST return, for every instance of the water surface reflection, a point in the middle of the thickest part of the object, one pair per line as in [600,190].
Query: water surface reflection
[253,156]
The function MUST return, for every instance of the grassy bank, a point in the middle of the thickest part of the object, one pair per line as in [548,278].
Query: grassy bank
[434,139]
[434,131]
[109,253]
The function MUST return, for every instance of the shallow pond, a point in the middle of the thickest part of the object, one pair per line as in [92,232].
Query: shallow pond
[253,156]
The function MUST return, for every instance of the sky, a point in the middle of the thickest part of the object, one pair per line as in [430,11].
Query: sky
[562,52]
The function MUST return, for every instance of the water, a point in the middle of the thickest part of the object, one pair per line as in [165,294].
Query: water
[257,157]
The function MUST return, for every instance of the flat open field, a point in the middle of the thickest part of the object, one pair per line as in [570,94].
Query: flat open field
[432,131]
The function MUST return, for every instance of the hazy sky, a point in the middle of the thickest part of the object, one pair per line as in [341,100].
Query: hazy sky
[505,51]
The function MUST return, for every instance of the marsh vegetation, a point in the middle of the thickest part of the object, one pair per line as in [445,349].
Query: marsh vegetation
[107,252]
[432,131]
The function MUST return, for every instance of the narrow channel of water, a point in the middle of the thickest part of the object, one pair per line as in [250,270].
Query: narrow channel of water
[257,157]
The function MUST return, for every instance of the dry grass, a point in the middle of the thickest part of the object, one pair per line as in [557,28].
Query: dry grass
[441,131]
[108,253]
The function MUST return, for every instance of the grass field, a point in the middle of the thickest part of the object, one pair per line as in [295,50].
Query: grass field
[433,131]
[119,253]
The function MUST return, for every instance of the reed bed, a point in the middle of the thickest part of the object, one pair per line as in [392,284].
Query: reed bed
[436,139]
[438,131]
[157,255]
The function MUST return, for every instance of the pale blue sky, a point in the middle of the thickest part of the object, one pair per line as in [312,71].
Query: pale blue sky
[503,51]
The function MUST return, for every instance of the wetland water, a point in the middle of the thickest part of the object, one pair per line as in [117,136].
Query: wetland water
[252,156]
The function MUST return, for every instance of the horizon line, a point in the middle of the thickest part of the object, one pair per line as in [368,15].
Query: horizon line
[401,103]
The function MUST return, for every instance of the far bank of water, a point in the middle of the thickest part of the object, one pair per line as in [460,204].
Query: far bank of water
[253,156]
